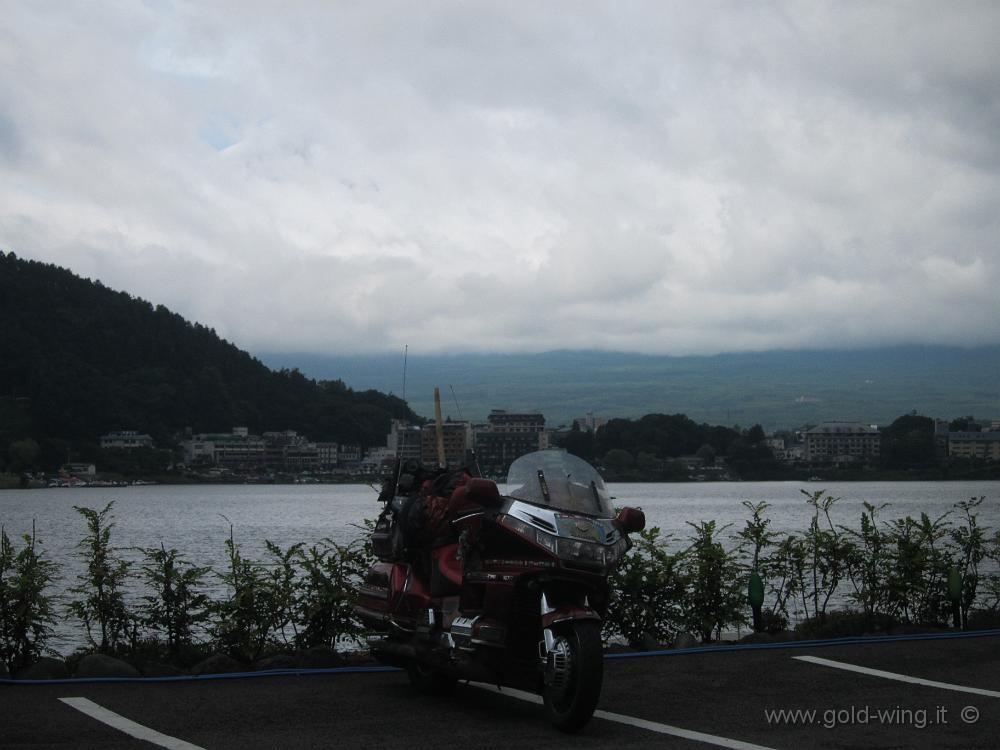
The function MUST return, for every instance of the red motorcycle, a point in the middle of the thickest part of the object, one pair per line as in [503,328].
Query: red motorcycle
[505,589]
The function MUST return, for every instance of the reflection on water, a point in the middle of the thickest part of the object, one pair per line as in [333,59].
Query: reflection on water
[196,519]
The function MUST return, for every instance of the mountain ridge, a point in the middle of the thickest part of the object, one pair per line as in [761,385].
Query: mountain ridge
[780,389]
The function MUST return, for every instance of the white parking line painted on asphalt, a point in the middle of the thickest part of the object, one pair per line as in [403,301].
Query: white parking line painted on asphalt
[95,711]
[899,677]
[652,726]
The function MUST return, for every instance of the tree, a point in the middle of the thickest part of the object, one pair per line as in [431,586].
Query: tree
[965,424]
[707,454]
[580,442]
[618,461]
[24,455]
[647,462]
[909,442]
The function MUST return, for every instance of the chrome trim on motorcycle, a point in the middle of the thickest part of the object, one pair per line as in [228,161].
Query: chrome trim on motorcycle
[461,630]
[558,665]
[549,640]
[546,609]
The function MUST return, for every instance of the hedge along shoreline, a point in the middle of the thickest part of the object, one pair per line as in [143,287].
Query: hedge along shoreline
[889,572]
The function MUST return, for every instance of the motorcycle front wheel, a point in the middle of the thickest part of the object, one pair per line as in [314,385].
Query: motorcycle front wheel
[574,672]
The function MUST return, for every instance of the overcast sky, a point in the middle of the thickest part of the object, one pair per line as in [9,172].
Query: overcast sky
[346,177]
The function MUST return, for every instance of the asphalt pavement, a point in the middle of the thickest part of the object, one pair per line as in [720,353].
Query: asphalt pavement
[912,694]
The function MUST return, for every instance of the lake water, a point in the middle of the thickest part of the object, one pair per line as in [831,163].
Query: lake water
[196,518]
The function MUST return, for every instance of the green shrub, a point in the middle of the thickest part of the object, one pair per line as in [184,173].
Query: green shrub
[324,606]
[772,555]
[917,578]
[102,603]
[26,611]
[970,549]
[177,607]
[827,556]
[714,598]
[646,592]
[244,624]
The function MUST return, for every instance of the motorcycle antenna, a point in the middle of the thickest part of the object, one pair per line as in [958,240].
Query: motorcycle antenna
[439,430]
[399,463]
[455,399]
[406,351]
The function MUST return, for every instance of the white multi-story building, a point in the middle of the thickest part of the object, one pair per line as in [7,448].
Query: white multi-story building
[840,442]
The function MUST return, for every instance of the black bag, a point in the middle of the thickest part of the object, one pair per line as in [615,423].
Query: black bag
[398,530]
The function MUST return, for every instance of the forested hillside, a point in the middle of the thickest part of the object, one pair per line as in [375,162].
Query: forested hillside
[78,359]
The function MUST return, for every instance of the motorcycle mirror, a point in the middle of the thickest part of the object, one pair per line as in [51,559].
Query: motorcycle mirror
[630,520]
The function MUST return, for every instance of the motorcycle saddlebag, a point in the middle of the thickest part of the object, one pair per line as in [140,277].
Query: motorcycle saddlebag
[398,530]
[382,539]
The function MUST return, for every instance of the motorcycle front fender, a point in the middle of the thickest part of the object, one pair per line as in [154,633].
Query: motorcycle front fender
[566,614]
[564,611]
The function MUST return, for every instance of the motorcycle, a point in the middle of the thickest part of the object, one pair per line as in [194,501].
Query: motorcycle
[508,589]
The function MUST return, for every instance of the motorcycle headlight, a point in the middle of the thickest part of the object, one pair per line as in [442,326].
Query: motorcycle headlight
[518,525]
[546,540]
[585,552]
[542,539]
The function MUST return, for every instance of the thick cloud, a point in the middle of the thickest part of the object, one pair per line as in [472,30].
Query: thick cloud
[661,177]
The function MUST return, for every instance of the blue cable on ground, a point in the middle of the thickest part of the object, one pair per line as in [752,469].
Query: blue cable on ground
[819,643]
[624,655]
[202,677]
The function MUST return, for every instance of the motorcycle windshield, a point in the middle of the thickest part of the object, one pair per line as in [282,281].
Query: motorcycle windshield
[556,479]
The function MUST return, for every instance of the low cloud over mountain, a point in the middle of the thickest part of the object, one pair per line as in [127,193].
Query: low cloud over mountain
[655,177]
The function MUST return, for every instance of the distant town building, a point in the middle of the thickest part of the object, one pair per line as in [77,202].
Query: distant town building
[240,450]
[842,442]
[590,423]
[378,459]
[348,455]
[981,445]
[506,436]
[283,450]
[80,469]
[404,440]
[126,440]
[457,444]
[328,455]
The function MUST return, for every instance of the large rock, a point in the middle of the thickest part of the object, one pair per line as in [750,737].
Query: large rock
[4,673]
[320,657]
[757,638]
[218,664]
[277,661]
[45,668]
[648,643]
[907,629]
[156,669]
[102,665]
[686,640]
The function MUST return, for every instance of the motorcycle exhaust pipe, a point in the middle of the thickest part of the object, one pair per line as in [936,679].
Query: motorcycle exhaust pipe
[394,654]
[404,654]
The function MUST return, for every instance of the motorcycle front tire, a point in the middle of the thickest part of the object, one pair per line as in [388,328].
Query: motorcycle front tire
[570,707]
